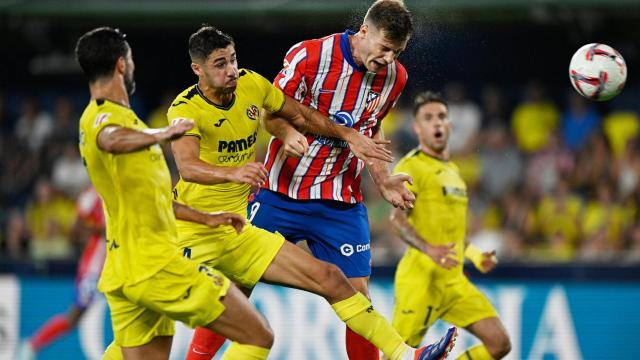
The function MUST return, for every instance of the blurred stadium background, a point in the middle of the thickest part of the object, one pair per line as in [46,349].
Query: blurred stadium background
[554,179]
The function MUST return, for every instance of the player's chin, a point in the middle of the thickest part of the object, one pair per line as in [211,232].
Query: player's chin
[374,66]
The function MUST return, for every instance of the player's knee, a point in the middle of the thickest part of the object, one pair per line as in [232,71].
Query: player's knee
[264,337]
[500,346]
[330,277]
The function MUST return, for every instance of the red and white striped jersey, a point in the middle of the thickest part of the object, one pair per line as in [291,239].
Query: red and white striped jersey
[89,207]
[323,75]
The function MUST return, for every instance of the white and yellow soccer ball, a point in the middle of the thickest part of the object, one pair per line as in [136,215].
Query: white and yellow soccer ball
[598,72]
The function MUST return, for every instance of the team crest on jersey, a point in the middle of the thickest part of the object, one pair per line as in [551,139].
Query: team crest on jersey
[253,112]
[373,99]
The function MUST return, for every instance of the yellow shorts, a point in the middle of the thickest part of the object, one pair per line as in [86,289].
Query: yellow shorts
[181,291]
[425,293]
[242,257]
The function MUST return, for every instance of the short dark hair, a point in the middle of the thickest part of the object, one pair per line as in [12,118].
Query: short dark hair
[427,97]
[206,40]
[98,50]
[392,17]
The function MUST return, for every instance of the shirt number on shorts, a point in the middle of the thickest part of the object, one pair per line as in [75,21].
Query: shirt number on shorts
[254,210]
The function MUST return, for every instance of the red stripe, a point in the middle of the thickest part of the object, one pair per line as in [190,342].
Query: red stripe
[331,80]
[284,178]
[356,189]
[326,188]
[348,178]
[353,89]
[312,172]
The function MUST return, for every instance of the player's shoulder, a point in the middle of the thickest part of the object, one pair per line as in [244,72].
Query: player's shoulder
[186,97]
[99,111]
[401,71]
[245,75]
[409,159]
[313,46]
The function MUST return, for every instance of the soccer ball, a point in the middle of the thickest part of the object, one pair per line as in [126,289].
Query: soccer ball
[597,72]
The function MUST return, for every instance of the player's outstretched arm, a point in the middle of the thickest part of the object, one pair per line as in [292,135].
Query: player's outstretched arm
[294,143]
[443,255]
[121,140]
[483,261]
[215,219]
[306,119]
[186,152]
[392,187]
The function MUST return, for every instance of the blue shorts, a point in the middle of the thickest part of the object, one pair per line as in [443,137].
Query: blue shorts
[336,232]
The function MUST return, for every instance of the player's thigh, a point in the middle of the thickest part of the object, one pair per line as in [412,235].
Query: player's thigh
[491,332]
[157,349]
[295,267]
[241,322]
[467,304]
[183,291]
[247,255]
[134,324]
[341,237]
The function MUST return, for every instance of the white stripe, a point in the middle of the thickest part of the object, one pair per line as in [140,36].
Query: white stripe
[315,192]
[359,168]
[361,102]
[337,181]
[292,65]
[324,65]
[341,89]
[302,168]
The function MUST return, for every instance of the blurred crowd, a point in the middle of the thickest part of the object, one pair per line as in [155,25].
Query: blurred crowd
[549,180]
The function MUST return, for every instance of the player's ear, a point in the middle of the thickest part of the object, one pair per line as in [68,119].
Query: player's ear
[121,65]
[196,68]
[364,29]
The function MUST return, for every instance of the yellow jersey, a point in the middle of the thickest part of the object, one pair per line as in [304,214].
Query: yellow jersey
[440,211]
[136,191]
[227,138]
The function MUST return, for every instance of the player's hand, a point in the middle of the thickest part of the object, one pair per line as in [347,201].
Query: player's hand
[489,262]
[443,255]
[224,218]
[176,129]
[367,149]
[396,193]
[253,173]
[295,144]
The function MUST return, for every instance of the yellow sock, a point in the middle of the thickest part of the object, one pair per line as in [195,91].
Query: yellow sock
[359,315]
[245,352]
[478,352]
[112,352]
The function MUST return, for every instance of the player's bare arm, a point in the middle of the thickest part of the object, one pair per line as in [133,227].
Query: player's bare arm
[391,187]
[484,261]
[120,140]
[443,255]
[211,219]
[186,152]
[300,118]
[295,144]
